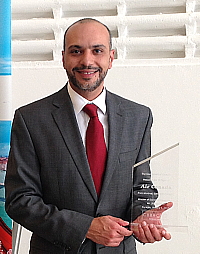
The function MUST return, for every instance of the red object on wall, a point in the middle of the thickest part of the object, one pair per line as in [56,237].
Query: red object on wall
[5,237]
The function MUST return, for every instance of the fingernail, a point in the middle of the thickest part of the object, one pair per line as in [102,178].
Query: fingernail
[144,223]
[151,226]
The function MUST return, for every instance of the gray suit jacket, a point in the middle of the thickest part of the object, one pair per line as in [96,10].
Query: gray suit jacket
[49,188]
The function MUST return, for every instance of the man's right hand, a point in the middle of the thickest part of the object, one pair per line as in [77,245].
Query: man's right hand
[108,231]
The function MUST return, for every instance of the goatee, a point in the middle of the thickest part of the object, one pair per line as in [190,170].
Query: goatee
[89,87]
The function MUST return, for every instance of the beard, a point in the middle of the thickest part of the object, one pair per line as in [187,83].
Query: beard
[90,86]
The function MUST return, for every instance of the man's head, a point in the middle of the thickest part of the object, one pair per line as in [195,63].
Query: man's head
[87,56]
[86,20]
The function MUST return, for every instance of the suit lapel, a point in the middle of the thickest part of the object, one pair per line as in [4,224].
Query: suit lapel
[65,119]
[116,123]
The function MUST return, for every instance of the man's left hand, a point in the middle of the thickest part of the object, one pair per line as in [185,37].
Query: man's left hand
[148,227]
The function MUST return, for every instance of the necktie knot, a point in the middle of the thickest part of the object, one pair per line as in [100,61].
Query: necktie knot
[90,110]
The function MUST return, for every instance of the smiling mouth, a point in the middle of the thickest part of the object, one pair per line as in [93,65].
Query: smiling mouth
[87,72]
[86,69]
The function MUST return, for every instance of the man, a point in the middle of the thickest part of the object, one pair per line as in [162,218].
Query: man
[49,186]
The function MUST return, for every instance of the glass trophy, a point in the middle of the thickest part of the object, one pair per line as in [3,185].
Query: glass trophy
[158,188]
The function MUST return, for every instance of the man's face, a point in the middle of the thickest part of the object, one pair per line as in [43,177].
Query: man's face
[87,57]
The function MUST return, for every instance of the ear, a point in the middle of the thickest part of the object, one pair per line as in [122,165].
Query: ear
[63,58]
[112,54]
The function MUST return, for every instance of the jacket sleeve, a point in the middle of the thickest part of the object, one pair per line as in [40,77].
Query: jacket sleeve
[24,195]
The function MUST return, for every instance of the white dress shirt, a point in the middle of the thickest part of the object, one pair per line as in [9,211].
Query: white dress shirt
[82,118]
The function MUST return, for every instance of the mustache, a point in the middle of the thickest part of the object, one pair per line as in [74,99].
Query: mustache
[86,68]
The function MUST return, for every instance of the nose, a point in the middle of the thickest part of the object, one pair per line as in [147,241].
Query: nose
[87,58]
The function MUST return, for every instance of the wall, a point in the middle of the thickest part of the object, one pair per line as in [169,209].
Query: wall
[157,64]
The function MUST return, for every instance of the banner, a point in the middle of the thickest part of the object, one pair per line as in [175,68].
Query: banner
[5,119]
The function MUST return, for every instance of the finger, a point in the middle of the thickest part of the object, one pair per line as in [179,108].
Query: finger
[119,221]
[124,232]
[138,232]
[166,235]
[121,230]
[157,235]
[141,234]
[150,238]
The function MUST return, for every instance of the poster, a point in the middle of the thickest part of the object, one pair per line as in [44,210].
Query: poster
[5,119]
[5,221]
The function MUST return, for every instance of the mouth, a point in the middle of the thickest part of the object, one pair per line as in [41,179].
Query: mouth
[87,73]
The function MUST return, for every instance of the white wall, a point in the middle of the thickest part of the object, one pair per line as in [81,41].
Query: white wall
[158,64]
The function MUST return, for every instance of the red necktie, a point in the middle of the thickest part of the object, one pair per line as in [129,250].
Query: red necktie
[95,146]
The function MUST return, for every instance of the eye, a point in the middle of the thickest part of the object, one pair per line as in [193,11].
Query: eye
[98,51]
[75,51]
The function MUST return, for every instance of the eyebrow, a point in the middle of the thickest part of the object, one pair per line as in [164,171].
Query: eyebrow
[75,46]
[99,46]
[94,46]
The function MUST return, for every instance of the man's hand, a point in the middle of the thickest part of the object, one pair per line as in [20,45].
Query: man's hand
[148,227]
[108,231]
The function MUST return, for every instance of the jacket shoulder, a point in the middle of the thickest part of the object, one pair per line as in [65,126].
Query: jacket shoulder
[56,98]
[127,104]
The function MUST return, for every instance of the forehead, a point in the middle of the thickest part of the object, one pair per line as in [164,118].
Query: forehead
[88,33]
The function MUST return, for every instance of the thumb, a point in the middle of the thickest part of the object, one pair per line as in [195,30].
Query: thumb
[165,207]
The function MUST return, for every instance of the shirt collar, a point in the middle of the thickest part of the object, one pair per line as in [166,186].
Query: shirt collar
[79,102]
